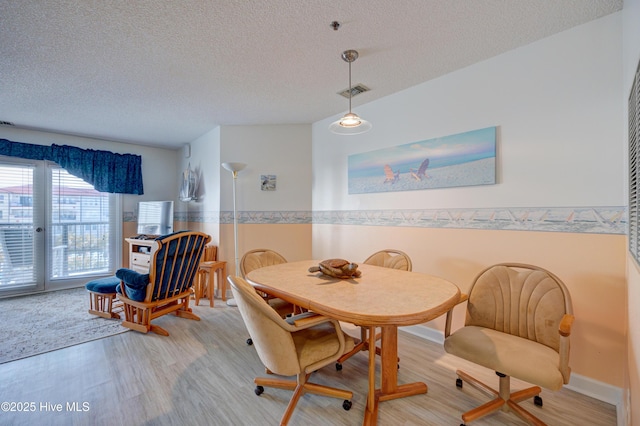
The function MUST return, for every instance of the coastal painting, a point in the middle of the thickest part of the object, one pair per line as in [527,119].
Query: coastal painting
[463,159]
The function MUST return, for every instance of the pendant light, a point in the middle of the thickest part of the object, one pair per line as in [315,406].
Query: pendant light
[350,123]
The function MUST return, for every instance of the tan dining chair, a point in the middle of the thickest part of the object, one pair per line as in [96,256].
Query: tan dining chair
[388,258]
[295,346]
[259,258]
[518,323]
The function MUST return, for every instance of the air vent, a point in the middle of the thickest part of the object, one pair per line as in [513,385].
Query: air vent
[355,90]
[6,123]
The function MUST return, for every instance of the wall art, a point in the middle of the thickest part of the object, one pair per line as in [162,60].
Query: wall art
[463,159]
[268,182]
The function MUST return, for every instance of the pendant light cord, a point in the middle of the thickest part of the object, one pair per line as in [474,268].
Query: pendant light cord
[350,91]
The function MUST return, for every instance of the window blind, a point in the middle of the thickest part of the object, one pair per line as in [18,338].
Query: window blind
[634,167]
[17,248]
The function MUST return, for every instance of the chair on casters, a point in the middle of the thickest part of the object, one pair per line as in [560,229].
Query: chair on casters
[295,346]
[259,258]
[518,324]
[167,286]
[389,258]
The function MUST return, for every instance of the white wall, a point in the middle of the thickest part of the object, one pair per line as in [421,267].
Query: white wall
[204,160]
[281,150]
[556,103]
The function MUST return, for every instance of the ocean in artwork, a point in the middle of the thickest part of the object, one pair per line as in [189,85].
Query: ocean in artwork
[464,159]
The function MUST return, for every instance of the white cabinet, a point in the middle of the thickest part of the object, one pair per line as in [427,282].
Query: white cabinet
[140,254]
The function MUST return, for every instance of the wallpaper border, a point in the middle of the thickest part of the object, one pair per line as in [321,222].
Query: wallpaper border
[593,220]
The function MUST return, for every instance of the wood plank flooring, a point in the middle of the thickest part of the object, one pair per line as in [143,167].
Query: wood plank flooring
[202,374]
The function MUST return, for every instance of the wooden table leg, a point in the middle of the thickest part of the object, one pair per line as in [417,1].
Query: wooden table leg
[371,411]
[389,388]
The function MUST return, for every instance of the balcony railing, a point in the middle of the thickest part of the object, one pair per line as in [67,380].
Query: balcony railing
[76,249]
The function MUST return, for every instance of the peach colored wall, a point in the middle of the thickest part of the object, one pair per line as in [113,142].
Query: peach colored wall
[292,241]
[591,265]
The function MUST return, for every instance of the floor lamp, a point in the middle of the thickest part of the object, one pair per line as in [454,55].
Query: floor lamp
[234,168]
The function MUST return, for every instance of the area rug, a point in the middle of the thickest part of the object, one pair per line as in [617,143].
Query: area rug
[44,322]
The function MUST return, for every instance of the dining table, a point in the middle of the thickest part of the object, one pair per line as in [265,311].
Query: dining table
[380,297]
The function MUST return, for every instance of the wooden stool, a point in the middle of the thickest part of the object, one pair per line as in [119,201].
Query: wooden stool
[102,297]
[206,277]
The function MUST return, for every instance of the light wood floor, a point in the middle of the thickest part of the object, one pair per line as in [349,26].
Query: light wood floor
[202,374]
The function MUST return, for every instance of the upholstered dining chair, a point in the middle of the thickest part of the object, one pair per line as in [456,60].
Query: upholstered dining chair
[388,258]
[259,258]
[167,287]
[518,323]
[295,346]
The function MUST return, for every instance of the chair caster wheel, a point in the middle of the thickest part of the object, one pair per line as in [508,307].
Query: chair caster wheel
[346,404]
[537,400]
[249,341]
[459,384]
[338,366]
[259,390]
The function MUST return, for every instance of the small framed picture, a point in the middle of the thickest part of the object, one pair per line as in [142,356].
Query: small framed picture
[268,182]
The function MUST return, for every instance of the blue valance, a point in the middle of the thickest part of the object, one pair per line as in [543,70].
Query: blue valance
[106,171]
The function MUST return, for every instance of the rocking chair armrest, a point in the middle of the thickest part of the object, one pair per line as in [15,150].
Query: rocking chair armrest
[132,278]
[133,284]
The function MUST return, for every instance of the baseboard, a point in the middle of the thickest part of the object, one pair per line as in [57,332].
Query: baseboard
[581,384]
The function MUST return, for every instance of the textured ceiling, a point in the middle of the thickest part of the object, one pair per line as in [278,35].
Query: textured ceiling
[163,73]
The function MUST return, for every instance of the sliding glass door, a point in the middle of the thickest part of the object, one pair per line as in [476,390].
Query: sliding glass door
[56,231]
[21,227]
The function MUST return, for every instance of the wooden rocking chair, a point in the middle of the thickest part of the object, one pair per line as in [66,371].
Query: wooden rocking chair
[167,287]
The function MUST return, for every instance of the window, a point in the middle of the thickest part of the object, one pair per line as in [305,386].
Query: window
[634,167]
[80,227]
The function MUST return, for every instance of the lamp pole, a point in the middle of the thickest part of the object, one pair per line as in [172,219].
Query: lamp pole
[234,168]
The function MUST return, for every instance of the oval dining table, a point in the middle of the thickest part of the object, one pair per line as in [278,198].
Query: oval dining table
[380,297]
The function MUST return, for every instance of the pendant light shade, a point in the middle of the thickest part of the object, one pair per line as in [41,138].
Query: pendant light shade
[350,123]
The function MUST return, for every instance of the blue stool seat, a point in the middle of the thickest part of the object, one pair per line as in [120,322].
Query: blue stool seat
[103,285]
[102,297]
